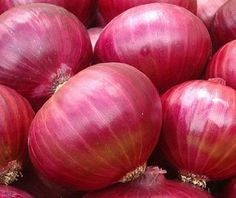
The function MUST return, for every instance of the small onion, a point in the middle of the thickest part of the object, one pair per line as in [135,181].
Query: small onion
[199,130]
[99,128]
[12,192]
[83,9]
[41,46]
[94,34]
[230,190]
[111,8]
[223,64]
[166,42]
[15,118]
[206,10]
[151,184]
[223,27]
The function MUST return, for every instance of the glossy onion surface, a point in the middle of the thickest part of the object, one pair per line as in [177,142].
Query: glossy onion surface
[103,123]
[166,42]
[199,129]
[41,46]
[12,192]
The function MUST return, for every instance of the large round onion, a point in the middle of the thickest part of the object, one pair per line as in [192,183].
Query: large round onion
[83,9]
[11,192]
[151,184]
[111,8]
[15,118]
[99,128]
[224,24]
[199,130]
[223,64]
[206,10]
[41,46]
[166,42]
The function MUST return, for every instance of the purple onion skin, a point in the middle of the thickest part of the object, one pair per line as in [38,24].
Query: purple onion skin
[223,64]
[103,123]
[230,190]
[206,10]
[166,42]
[83,9]
[15,118]
[151,184]
[41,45]
[199,129]
[223,27]
[111,8]
[12,192]
[94,34]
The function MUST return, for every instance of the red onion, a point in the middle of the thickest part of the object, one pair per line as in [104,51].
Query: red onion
[111,8]
[230,190]
[151,184]
[166,42]
[206,10]
[223,64]
[41,46]
[83,9]
[224,24]
[99,128]
[94,34]
[11,192]
[15,117]
[199,130]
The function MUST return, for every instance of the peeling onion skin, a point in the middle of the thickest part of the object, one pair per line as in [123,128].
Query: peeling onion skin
[83,9]
[150,38]
[112,8]
[151,184]
[41,46]
[206,10]
[15,118]
[12,192]
[223,64]
[223,28]
[199,129]
[100,125]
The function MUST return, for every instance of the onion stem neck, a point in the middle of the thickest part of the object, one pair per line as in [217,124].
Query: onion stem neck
[131,176]
[10,173]
[196,180]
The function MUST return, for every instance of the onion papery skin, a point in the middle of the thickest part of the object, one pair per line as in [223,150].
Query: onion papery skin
[112,8]
[166,42]
[199,129]
[206,10]
[83,9]
[41,46]
[230,190]
[15,118]
[223,27]
[94,34]
[12,192]
[151,184]
[106,119]
[223,64]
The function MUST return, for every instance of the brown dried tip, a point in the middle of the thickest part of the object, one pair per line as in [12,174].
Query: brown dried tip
[10,173]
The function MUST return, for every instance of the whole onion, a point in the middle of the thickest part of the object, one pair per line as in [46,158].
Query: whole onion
[199,130]
[94,34]
[166,42]
[41,46]
[15,118]
[223,27]
[111,8]
[99,128]
[12,192]
[223,64]
[151,184]
[83,9]
[230,190]
[206,10]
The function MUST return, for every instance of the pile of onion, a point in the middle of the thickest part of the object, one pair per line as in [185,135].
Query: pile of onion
[99,128]
[15,118]
[111,8]
[166,42]
[223,64]
[41,46]
[12,192]
[199,130]
[83,9]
